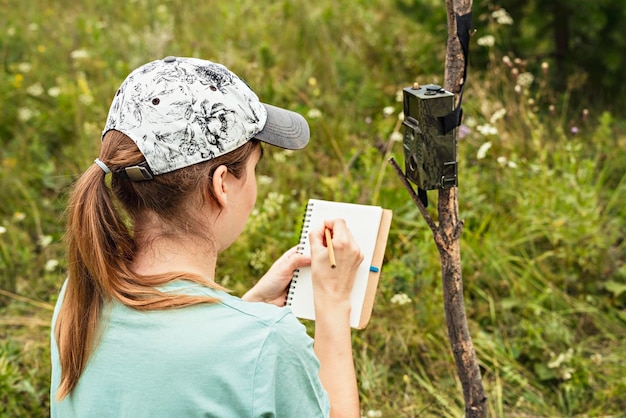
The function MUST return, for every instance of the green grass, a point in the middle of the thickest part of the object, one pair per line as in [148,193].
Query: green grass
[543,249]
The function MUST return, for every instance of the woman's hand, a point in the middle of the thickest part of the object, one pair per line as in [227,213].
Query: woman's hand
[272,287]
[334,285]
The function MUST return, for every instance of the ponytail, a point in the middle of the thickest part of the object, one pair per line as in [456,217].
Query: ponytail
[101,246]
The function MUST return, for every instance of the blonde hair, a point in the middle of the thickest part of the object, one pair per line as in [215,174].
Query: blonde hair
[101,244]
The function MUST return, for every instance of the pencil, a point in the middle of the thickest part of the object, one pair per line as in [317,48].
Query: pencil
[331,252]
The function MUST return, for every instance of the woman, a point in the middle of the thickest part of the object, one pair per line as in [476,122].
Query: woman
[141,327]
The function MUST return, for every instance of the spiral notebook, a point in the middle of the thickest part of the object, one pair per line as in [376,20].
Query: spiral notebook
[369,226]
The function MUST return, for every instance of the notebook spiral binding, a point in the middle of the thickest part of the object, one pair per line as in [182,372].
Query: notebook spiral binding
[306,224]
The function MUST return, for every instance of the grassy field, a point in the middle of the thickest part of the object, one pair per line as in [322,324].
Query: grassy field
[542,186]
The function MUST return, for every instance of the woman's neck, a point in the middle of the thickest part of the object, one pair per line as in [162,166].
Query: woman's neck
[165,255]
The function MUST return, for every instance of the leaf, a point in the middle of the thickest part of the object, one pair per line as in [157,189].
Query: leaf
[615,288]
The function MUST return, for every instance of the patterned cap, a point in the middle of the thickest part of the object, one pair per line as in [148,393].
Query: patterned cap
[183,111]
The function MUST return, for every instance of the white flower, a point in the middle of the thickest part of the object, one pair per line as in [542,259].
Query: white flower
[45,240]
[487,40]
[264,179]
[396,136]
[505,162]
[314,113]
[400,299]
[85,99]
[525,79]
[3,230]
[79,54]
[33,27]
[502,17]
[399,96]
[54,91]
[24,114]
[51,264]
[11,31]
[497,115]
[482,151]
[19,216]
[487,129]
[388,111]
[374,414]
[35,90]
[24,67]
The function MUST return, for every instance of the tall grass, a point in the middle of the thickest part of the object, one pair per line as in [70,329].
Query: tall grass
[541,189]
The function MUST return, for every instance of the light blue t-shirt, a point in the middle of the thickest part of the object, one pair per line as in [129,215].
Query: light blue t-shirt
[228,359]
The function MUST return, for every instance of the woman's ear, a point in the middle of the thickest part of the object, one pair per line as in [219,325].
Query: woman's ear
[220,188]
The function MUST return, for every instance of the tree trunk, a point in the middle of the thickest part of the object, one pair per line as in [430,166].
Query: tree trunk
[448,240]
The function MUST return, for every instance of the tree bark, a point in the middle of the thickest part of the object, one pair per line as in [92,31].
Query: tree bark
[448,242]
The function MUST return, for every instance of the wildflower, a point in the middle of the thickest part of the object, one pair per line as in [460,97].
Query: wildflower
[487,129]
[507,61]
[85,99]
[79,54]
[470,121]
[482,151]
[314,113]
[24,114]
[312,81]
[374,414]
[464,130]
[24,67]
[33,27]
[502,17]
[45,240]
[487,40]
[41,49]
[497,115]
[11,31]
[281,157]
[574,130]
[54,91]
[517,89]
[19,216]
[544,67]
[3,230]
[388,111]
[51,264]
[503,161]
[401,116]
[525,79]
[596,358]
[258,260]
[17,80]
[396,137]
[264,179]
[400,299]
[399,96]
[35,90]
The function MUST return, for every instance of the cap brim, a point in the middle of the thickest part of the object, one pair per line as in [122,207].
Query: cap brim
[284,128]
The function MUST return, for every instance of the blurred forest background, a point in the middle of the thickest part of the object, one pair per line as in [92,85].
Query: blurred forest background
[542,179]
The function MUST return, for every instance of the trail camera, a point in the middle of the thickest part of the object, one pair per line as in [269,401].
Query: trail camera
[429,151]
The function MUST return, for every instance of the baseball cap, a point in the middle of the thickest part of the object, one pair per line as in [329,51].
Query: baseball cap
[183,111]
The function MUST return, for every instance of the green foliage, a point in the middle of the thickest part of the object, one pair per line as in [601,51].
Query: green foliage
[581,39]
[542,181]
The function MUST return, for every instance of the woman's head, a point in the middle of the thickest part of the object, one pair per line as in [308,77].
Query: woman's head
[174,200]
[177,127]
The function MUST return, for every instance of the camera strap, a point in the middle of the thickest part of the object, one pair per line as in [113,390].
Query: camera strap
[463,31]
